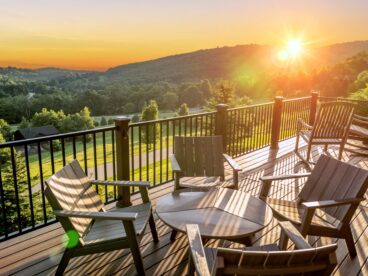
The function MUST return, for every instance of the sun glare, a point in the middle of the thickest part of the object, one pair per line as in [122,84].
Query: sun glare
[291,51]
[294,47]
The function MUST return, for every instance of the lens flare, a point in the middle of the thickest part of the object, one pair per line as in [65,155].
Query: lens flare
[70,239]
[294,47]
[283,55]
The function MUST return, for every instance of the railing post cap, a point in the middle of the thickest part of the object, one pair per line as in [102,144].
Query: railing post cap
[121,119]
[315,93]
[222,106]
[279,98]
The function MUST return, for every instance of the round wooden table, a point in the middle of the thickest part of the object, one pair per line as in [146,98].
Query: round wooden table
[220,213]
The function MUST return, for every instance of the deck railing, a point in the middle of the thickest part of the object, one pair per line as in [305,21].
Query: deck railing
[132,151]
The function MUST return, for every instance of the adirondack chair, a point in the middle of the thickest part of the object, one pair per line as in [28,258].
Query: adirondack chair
[358,132]
[327,201]
[270,259]
[331,127]
[201,157]
[81,213]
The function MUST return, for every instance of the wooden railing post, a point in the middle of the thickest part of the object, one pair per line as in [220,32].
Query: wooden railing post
[313,107]
[221,123]
[122,159]
[276,122]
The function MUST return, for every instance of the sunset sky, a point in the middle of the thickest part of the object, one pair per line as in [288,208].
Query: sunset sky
[97,34]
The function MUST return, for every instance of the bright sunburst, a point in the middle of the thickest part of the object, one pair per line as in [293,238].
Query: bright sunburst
[292,50]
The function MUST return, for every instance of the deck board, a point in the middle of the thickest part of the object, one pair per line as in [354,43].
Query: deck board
[38,252]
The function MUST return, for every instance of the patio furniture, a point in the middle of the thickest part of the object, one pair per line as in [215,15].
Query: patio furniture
[215,211]
[201,157]
[270,259]
[92,229]
[358,136]
[326,203]
[331,127]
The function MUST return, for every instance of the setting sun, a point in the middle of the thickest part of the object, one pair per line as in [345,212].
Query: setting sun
[292,50]
[294,47]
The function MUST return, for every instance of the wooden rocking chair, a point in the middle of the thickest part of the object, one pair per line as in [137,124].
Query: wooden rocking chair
[270,259]
[201,157]
[358,133]
[331,127]
[81,213]
[326,203]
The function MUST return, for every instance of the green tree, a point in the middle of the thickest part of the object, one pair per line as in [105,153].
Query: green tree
[6,130]
[49,117]
[149,113]
[169,100]
[135,118]
[183,110]
[110,121]
[24,123]
[103,121]
[129,108]
[78,121]
[10,197]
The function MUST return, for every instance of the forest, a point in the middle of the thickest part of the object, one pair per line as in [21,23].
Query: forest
[22,96]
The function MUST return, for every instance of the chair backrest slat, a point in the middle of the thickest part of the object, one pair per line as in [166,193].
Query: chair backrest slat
[293,262]
[199,156]
[70,190]
[332,179]
[333,120]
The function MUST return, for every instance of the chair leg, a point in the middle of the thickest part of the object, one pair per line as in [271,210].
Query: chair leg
[138,261]
[134,246]
[68,253]
[350,243]
[297,143]
[173,235]
[152,225]
[340,152]
[191,268]
[309,148]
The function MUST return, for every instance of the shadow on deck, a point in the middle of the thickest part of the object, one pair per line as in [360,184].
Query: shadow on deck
[39,252]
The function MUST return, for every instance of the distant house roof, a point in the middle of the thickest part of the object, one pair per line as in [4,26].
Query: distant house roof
[33,132]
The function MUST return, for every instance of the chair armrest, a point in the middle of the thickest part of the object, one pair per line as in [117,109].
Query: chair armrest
[121,183]
[301,123]
[233,164]
[267,180]
[197,253]
[360,119]
[283,177]
[331,203]
[97,215]
[174,164]
[290,232]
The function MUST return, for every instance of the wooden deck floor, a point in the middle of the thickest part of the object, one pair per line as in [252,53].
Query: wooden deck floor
[39,252]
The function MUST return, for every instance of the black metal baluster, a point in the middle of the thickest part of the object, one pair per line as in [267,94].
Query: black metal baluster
[113,159]
[63,150]
[161,152]
[85,154]
[95,158]
[29,184]
[52,157]
[3,206]
[105,162]
[140,152]
[154,154]
[42,184]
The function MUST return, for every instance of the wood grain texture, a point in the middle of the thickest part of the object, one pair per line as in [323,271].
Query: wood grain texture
[39,252]
[214,211]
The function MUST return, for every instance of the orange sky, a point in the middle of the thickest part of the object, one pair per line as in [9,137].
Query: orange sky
[96,34]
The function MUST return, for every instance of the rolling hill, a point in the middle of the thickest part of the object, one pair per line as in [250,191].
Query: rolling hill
[225,62]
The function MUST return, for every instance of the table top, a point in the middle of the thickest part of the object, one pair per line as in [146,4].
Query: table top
[219,213]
